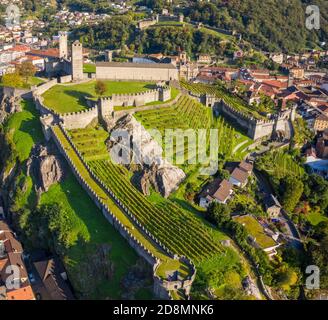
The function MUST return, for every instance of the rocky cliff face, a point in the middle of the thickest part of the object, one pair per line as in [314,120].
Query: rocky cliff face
[8,105]
[147,153]
[45,167]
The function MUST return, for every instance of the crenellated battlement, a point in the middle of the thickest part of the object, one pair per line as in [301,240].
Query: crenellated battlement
[256,128]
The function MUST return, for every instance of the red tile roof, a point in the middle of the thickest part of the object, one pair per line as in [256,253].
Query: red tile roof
[52,53]
[240,175]
[25,293]
[224,191]
[20,48]
[275,83]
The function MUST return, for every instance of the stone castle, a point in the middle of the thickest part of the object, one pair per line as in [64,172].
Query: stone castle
[146,23]
[102,109]
[72,64]
[255,128]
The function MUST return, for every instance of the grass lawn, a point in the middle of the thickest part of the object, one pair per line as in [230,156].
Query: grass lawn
[26,129]
[72,97]
[242,151]
[254,228]
[35,81]
[87,220]
[89,68]
[90,221]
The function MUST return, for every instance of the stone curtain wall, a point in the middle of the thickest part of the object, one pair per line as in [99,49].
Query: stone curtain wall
[257,129]
[137,74]
[45,87]
[79,120]
[161,287]
[135,243]
[65,79]
[97,109]
[120,114]
[106,105]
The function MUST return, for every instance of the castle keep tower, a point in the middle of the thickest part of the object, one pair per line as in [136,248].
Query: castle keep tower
[63,48]
[77,61]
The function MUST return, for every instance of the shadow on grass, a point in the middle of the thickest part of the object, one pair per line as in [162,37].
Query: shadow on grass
[150,86]
[79,96]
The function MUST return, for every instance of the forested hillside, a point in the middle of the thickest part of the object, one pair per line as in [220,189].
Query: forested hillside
[270,24]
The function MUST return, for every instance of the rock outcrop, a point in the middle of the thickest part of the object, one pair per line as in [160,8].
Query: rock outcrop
[8,105]
[45,167]
[164,178]
[133,144]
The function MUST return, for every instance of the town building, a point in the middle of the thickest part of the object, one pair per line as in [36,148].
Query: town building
[297,72]
[317,165]
[320,123]
[259,236]
[11,252]
[204,59]
[322,145]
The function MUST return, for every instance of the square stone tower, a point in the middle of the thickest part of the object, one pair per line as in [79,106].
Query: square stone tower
[77,61]
[63,46]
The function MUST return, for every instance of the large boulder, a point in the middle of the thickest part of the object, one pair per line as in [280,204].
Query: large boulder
[45,167]
[147,153]
[164,178]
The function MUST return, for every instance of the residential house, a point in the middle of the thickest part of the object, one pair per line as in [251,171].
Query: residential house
[322,145]
[297,72]
[317,165]
[52,283]
[219,191]
[239,176]
[204,59]
[272,206]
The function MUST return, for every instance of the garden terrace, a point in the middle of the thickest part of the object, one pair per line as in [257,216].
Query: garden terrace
[222,93]
[279,164]
[168,264]
[190,114]
[71,97]
[180,231]
[90,143]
